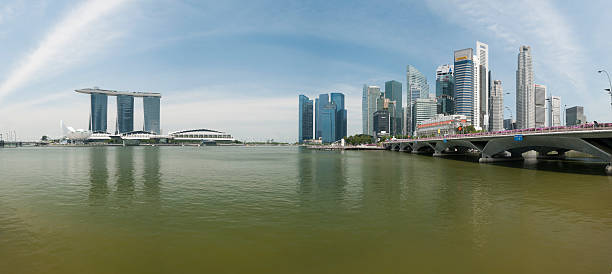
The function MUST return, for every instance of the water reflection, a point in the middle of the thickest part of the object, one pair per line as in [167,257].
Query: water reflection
[125,174]
[98,175]
[321,176]
[152,175]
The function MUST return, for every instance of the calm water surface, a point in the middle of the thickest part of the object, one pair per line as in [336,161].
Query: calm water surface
[289,210]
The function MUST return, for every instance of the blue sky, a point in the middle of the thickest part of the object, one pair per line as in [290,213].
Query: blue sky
[239,66]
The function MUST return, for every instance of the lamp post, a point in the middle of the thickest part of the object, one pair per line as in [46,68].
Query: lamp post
[609,90]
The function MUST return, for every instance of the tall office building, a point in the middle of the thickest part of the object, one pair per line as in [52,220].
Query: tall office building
[525,97]
[327,120]
[554,111]
[423,109]
[305,123]
[393,92]
[416,87]
[464,83]
[540,105]
[369,105]
[338,99]
[125,114]
[445,89]
[575,116]
[482,54]
[151,114]
[496,107]
[509,124]
[97,116]
[320,102]
[476,110]
[381,122]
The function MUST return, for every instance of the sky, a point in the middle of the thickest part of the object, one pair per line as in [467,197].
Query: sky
[239,66]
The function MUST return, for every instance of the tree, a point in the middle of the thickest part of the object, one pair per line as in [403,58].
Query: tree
[44,138]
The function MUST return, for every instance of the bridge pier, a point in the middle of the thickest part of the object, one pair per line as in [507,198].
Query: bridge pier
[609,169]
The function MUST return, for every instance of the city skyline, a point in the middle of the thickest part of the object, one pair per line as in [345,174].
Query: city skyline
[195,61]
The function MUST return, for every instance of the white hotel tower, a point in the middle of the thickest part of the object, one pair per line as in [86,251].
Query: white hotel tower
[525,87]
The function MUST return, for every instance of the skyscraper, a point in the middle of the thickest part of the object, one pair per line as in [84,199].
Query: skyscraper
[575,116]
[327,118]
[445,89]
[464,83]
[554,111]
[151,114]
[416,87]
[97,116]
[338,100]
[381,122]
[369,105]
[125,114]
[525,97]
[482,51]
[476,121]
[496,106]
[540,105]
[423,109]
[393,92]
[320,102]
[305,123]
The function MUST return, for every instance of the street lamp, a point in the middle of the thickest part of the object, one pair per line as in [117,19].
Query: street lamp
[609,90]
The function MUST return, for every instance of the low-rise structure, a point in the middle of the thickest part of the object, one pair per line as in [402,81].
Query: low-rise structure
[441,125]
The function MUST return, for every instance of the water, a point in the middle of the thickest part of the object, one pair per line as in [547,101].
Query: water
[290,210]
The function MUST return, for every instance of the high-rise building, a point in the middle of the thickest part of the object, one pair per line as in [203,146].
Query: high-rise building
[575,116]
[305,123]
[97,116]
[393,92]
[482,54]
[125,114]
[509,124]
[338,99]
[151,114]
[327,118]
[476,121]
[445,89]
[496,107]
[381,122]
[525,94]
[423,109]
[369,105]
[540,105]
[416,87]
[554,111]
[320,102]
[464,83]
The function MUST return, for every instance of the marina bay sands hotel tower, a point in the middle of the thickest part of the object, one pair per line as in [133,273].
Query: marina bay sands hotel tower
[125,110]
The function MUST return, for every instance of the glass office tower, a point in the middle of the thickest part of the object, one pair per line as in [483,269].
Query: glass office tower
[151,114]
[464,83]
[445,89]
[338,99]
[393,92]
[125,113]
[320,102]
[97,116]
[327,120]
[305,124]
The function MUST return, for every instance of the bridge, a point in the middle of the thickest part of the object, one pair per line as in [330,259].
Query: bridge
[550,142]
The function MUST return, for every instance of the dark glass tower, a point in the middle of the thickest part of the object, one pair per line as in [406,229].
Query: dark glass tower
[97,119]
[445,89]
[125,113]
[393,92]
[338,100]
[305,124]
[151,114]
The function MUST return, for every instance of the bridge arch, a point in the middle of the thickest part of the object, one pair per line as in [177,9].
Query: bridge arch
[543,143]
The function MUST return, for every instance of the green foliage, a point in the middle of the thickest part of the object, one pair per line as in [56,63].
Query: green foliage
[44,138]
[359,139]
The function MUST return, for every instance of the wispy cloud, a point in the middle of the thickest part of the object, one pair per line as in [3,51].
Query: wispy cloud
[71,39]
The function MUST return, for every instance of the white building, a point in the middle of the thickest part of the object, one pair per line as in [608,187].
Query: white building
[369,105]
[424,109]
[525,97]
[540,105]
[476,113]
[496,107]
[554,111]
[482,52]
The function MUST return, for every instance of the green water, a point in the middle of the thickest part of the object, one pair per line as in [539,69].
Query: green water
[290,210]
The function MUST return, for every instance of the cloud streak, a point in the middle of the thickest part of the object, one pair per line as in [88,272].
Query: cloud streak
[65,39]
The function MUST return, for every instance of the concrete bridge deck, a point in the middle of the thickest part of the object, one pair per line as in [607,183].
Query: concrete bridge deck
[553,142]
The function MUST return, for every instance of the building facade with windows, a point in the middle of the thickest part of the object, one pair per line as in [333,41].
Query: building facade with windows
[416,87]
[496,105]
[445,89]
[464,82]
[540,105]
[441,125]
[393,92]
[305,125]
[525,90]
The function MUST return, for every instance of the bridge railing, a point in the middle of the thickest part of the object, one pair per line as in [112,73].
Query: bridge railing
[527,131]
